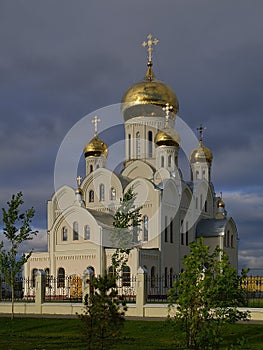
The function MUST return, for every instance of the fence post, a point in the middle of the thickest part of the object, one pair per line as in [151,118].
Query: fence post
[40,289]
[141,290]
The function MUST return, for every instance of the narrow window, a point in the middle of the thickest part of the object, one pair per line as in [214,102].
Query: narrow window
[206,206]
[152,277]
[113,193]
[111,271]
[47,272]
[232,241]
[197,174]
[86,232]
[33,277]
[145,228]
[171,278]
[196,202]
[102,192]
[186,234]
[75,231]
[91,168]
[182,232]
[61,278]
[129,146]
[166,277]
[227,237]
[165,229]
[91,196]
[126,276]
[171,231]
[169,160]
[64,234]
[162,161]
[150,143]
[138,145]
[201,202]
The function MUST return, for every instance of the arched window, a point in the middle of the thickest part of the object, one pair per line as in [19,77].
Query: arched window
[182,232]
[145,228]
[86,232]
[64,234]
[102,192]
[33,277]
[126,276]
[165,229]
[171,277]
[47,272]
[166,277]
[186,233]
[150,143]
[152,277]
[61,278]
[91,196]
[171,230]
[138,145]
[91,168]
[111,271]
[227,238]
[129,146]
[201,202]
[169,160]
[75,231]
[232,241]
[92,270]
[113,193]
[206,206]
[162,161]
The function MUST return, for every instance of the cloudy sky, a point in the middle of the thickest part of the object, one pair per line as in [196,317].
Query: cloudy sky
[62,60]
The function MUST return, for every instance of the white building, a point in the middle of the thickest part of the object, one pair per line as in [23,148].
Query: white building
[174,211]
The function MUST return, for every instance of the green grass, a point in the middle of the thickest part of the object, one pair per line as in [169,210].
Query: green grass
[41,333]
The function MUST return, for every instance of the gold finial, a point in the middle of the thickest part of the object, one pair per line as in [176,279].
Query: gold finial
[201,131]
[150,42]
[79,178]
[95,121]
[168,108]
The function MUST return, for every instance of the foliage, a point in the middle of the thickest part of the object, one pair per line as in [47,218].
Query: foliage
[126,224]
[208,293]
[103,319]
[17,229]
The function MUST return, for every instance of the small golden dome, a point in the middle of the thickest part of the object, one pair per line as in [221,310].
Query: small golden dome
[167,137]
[220,203]
[79,191]
[201,154]
[96,148]
[150,91]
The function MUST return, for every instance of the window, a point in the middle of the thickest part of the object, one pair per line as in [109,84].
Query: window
[102,193]
[186,234]
[197,174]
[126,276]
[75,231]
[61,278]
[169,160]
[227,239]
[162,161]
[182,232]
[232,241]
[129,146]
[33,276]
[86,232]
[165,229]
[91,168]
[196,202]
[92,270]
[91,196]
[150,143]
[47,272]
[206,206]
[138,145]
[145,228]
[64,234]
[171,277]
[111,271]
[113,193]
[201,202]
[171,231]
[166,277]
[152,277]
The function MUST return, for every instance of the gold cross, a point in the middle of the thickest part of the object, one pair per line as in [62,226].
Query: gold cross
[79,178]
[95,121]
[201,131]
[150,44]
[167,110]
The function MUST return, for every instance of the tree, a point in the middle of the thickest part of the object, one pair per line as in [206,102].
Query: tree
[126,224]
[207,293]
[103,319]
[16,230]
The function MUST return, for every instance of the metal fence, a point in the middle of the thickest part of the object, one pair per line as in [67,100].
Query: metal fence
[158,286]
[24,290]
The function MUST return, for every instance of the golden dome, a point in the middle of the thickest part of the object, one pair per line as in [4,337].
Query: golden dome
[150,91]
[79,191]
[167,137]
[201,154]
[96,148]
[220,203]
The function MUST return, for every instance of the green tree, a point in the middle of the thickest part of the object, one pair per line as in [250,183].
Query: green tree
[103,319]
[126,222]
[16,230]
[207,293]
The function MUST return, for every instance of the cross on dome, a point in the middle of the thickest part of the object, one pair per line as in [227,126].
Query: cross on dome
[201,132]
[168,108]
[79,178]
[95,121]
[150,42]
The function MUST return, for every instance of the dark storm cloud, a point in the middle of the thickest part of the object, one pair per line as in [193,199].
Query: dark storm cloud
[62,60]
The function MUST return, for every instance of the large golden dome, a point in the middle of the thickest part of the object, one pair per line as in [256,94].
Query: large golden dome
[167,137]
[96,148]
[201,154]
[150,91]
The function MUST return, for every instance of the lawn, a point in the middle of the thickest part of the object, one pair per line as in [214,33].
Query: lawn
[41,333]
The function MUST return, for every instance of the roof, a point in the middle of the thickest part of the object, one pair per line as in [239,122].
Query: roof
[102,217]
[211,227]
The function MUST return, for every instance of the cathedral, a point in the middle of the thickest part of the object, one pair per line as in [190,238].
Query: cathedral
[174,211]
